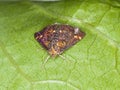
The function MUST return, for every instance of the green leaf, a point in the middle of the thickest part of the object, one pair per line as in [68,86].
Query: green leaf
[91,64]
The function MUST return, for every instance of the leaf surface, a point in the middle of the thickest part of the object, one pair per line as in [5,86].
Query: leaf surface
[91,64]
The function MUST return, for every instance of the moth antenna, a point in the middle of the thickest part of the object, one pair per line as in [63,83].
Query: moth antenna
[46,60]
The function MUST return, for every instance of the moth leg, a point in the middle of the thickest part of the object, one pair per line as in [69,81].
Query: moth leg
[62,57]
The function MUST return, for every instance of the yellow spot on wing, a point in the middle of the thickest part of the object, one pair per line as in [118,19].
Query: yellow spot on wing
[77,37]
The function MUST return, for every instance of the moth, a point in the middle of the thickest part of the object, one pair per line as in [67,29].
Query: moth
[56,38]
